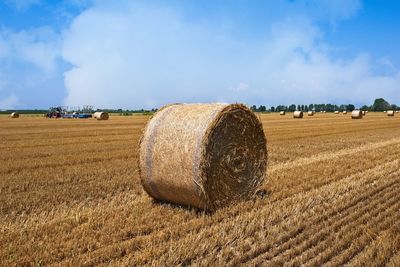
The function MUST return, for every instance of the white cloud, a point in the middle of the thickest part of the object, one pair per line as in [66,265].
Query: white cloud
[131,55]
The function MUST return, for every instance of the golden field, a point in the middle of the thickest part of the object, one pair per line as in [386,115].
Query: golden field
[70,195]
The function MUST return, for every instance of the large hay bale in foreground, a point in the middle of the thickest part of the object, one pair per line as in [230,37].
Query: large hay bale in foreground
[310,113]
[298,114]
[101,115]
[282,113]
[390,113]
[203,155]
[356,114]
[14,115]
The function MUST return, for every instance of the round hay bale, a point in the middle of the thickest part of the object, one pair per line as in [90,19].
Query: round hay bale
[397,111]
[14,115]
[203,155]
[384,111]
[390,113]
[310,113]
[298,114]
[344,112]
[336,112]
[101,115]
[282,113]
[356,114]
[364,112]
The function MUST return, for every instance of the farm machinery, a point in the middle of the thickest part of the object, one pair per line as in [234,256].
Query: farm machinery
[65,112]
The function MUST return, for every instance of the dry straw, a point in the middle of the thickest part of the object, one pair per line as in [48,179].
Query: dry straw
[298,114]
[356,114]
[14,115]
[282,113]
[310,113]
[390,113]
[101,115]
[203,155]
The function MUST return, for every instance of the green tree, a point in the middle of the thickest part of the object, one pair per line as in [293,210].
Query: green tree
[380,104]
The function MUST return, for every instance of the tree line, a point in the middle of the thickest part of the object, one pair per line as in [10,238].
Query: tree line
[379,104]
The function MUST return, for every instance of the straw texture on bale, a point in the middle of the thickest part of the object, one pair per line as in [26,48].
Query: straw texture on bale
[298,114]
[101,115]
[310,113]
[390,113]
[14,115]
[282,113]
[203,155]
[356,114]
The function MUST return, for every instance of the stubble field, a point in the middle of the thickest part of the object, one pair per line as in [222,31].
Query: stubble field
[70,195]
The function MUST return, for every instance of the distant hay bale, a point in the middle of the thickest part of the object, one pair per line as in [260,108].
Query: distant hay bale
[390,113]
[356,114]
[101,115]
[336,112]
[397,111]
[344,112]
[298,114]
[310,113]
[385,111]
[364,112]
[203,155]
[14,115]
[282,113]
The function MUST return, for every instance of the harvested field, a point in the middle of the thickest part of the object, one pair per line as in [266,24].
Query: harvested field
[70,194]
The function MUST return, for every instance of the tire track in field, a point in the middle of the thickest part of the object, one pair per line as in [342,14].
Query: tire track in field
[384,246]
[346,222]
[327,156]
[344,246]
[295,237]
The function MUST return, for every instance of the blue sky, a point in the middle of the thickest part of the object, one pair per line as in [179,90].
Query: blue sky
[144,54]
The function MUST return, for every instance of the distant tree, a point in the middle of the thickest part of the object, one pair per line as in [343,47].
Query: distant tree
[365,107]
[329,108]
[380,104]
[253,108]
[262,108]
[351,107]
[311,107]
[298,107]
[281,108]
[272,109]
[292,108]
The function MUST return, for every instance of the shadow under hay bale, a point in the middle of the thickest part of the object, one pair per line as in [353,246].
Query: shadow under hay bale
[203,155]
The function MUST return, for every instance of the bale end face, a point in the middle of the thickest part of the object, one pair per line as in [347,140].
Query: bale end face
[203,155]
[390,113]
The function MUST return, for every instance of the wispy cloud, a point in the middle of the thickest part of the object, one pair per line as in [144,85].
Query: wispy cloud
[133,55]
